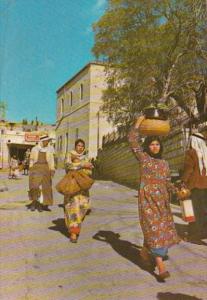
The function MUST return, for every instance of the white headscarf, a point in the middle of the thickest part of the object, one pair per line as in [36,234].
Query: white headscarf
[197,142]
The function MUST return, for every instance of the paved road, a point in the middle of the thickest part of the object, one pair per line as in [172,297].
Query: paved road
[37,261]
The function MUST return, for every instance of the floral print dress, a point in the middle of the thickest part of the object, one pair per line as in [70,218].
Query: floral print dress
[76,207]
[75,211]
[154,198]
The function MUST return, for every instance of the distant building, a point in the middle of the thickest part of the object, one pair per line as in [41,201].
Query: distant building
[78,111]
[16,138]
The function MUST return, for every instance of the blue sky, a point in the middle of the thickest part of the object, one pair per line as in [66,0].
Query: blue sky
[42,44]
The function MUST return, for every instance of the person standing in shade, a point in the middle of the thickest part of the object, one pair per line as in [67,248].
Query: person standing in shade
[26,162]
[41,171]
[14,168]
[155,216]
[194,177]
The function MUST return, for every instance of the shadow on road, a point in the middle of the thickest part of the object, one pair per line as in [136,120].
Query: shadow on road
[177,296]
[59,225]
[182,231]
[124,248]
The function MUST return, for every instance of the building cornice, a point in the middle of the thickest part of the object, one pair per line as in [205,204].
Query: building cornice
[79,72]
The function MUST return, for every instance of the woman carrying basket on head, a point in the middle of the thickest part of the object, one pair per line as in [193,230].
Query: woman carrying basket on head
[154,206]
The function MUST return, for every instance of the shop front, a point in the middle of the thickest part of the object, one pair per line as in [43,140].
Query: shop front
[18,150]
[29,140]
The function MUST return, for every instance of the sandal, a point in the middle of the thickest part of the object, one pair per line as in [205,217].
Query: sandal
[164,275]
[73,238]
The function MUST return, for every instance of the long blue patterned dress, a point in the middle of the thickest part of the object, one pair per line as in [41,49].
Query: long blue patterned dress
[154,198]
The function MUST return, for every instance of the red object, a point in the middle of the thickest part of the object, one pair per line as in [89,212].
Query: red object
[189,219]
[75,230]
[29,137]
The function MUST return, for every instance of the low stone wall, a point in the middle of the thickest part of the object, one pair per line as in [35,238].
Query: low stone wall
[116,161]
[174,151]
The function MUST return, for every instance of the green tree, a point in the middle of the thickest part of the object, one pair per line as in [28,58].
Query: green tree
[24,121]
[155,52]
[3,108]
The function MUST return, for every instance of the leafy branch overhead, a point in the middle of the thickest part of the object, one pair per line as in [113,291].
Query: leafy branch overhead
[156,51]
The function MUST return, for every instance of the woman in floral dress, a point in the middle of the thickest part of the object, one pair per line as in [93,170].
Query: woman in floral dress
[77,206]
[154,199]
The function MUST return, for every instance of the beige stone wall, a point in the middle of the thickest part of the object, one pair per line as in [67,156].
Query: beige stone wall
[74,87]
[74,120]
[97,83]
[98,125]
[118,163]
[75,125]
[4,152]
[83,116]
[174,150]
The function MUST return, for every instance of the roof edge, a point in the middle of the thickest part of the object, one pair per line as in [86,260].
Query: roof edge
[80,71]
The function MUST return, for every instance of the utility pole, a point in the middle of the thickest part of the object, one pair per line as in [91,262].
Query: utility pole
[98,129]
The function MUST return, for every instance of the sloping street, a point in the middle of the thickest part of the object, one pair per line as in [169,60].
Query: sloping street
[38,262]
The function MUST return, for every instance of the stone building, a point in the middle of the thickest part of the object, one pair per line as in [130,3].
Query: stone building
[78,111]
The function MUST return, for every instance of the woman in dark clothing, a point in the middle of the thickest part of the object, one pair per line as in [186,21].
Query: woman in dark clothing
[154,194]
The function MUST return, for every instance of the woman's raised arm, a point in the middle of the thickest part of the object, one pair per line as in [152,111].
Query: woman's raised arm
[133,138]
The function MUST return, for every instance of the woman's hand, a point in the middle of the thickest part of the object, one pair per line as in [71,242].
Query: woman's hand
[52,173]
[139,121]
[87,165]
[183,185]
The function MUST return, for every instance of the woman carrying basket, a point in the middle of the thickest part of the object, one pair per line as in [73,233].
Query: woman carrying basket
[154,193]
[76,206]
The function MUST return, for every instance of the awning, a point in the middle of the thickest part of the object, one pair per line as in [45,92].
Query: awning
[21,146]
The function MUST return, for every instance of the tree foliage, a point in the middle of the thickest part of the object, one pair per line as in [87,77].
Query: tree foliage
[24,121]
[156,51]
[3,109]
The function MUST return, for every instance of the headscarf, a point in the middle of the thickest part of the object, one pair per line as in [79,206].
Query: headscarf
[197,142]
[148,140]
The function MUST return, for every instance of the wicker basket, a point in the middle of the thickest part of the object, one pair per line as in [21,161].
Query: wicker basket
[154,127]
